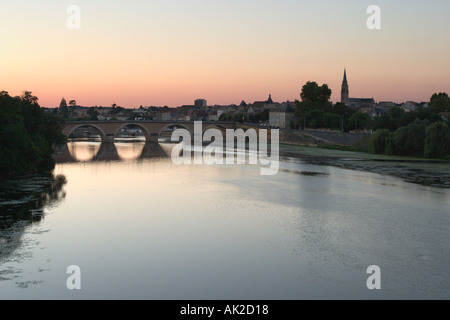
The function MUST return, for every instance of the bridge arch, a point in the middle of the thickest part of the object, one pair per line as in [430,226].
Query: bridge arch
[102,133]
[147,134]
[220,127]
[180,125]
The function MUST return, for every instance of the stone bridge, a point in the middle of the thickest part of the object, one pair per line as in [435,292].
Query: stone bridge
[152,130]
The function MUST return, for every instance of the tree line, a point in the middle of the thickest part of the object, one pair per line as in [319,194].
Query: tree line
[423,132]
[28,135]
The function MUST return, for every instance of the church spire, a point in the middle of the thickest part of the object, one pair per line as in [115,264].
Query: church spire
[344,89]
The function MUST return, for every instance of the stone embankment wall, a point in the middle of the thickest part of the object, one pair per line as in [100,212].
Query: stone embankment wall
[314,138]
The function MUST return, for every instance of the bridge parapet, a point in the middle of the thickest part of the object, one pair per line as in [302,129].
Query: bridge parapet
[152,130]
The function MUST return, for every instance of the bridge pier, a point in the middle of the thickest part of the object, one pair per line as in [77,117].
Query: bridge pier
[63,155]
[154,137]
[109,138]
[152,150]
[107,152]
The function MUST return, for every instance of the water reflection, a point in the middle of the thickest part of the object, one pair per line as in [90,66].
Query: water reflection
[129,151]
[156,230]
[25,204]
[84,154]
[94,151]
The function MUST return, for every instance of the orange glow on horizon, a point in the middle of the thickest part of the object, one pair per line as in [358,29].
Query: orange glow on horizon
[173,53]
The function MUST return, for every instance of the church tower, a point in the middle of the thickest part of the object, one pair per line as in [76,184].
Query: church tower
[344,90]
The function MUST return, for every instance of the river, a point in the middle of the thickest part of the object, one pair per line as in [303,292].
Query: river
[140,227]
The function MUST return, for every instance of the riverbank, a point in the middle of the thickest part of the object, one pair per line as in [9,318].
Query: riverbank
[433,173]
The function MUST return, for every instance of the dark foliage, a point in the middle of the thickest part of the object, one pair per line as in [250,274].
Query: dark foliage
[28,135]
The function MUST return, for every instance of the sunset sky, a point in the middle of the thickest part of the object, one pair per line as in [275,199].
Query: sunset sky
[148,52]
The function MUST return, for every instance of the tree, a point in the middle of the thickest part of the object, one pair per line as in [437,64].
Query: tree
[410,140]
[315,99]
[93,114]
[345,113]
[260,116]
[63,109]
[301,111]
[395,115]
[226,117]
[311,92]
[72,103]
[392,120]
[330,120]
[29,98]
[27,135]
[440,102]
[360,121]
[240,117]
[378,142]
[408,118]
[437,140]
[342,109]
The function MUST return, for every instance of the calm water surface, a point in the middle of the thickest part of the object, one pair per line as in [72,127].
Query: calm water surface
[143,228]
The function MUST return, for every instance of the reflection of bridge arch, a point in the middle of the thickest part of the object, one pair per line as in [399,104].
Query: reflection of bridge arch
[102,133]
[147,134]
[108,152]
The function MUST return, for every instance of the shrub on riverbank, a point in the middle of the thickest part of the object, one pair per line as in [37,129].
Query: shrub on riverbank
[378,142]
[419,138]
[437,141]
[27,135]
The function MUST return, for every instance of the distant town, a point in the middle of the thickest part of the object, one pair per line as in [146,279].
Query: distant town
[266,112]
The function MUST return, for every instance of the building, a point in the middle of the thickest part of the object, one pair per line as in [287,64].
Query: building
[166,116]
[283,116]
[354,103]
[344,89]
[78,112]
[409,106]
[200,104]
[361,103]
[384,104]
[259,106]
[379,111]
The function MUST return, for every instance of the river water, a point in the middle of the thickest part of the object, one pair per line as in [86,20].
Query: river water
[140,227]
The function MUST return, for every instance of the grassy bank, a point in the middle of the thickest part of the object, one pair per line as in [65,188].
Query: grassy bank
[354,152]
